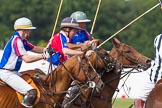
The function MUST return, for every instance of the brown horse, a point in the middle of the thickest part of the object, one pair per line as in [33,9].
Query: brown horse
[112,65]
[53,89]
[128,57]
[154,100]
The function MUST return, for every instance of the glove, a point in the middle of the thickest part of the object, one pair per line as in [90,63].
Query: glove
[45,54]
[50,50]
[88,53]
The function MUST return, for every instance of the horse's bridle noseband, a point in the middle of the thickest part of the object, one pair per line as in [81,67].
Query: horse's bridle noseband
[109,63]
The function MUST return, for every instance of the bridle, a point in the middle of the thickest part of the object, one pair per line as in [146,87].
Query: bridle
[86,69]
[125,54]
[82,84]
[108,62]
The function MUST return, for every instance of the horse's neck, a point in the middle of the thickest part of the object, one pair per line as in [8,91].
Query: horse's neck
[96,61]
[61,79]
[65,68]
[70,65]
[92,59]
[62,74]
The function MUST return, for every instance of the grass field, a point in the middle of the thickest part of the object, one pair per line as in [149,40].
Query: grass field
[123,103]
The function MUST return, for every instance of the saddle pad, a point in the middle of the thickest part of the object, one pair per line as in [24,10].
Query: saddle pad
[29,81]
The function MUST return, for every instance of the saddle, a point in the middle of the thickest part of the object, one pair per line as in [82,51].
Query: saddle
[28,79]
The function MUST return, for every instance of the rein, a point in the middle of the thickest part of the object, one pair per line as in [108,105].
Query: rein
[86,69]
[135,67]
[108,64]
[80,85]
[107,61]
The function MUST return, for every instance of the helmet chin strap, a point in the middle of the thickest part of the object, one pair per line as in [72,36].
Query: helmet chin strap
[26,33]
[22,33]
[68,31]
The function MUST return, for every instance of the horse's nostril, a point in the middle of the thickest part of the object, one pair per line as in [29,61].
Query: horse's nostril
[102,86]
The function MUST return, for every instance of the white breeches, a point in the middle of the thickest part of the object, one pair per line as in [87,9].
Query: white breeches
[145,91]
[45,66]
[15,81]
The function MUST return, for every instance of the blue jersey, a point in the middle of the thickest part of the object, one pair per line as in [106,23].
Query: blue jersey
[81,37]
[14,49]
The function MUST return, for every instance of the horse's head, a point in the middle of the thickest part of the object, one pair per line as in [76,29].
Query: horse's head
[102,60]
[88,74]
[128,56]
[77,69]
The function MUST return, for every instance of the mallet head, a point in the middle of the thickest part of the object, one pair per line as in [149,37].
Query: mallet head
[160,4]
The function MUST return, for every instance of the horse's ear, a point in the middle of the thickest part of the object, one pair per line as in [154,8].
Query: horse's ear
[97,41]
[116,42]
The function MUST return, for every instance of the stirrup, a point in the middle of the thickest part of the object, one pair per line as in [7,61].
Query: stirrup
[27,106]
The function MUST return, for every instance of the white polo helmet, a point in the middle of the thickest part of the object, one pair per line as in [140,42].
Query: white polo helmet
[23,23]
[80,16]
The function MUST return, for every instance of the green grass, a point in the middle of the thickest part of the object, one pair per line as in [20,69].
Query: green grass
[123,103]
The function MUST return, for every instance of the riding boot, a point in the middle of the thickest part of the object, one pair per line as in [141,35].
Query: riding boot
[139,103]
[29,98]
[70,95]
[66,102]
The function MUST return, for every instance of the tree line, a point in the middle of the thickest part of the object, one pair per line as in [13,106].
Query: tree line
[112,16]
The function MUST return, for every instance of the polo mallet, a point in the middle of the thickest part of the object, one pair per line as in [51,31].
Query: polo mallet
[130,23]
[48,45]
[94,21]
[54,27]
[160,4]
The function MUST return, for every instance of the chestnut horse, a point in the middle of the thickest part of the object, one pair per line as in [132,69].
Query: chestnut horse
[128,57]
[53,88]
[154,100]
[112,65]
